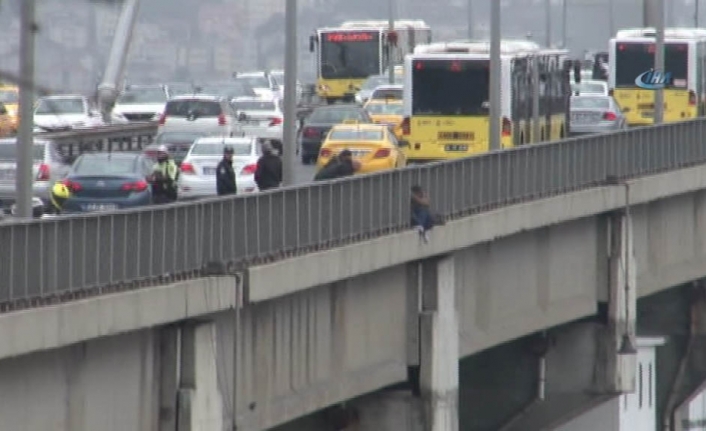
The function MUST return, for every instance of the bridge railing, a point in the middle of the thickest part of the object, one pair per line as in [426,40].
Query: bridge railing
[64,258]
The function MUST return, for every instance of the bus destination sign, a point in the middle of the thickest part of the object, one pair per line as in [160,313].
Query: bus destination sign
[349,37]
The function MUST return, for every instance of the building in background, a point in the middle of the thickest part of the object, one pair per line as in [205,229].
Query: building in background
[628,412]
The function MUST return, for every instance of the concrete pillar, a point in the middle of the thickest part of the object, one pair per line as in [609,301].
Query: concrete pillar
[439,327]
[617,368]
[168,377]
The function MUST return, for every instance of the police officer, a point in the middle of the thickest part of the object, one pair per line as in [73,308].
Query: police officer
[165,175]
[60,193]
[225,175]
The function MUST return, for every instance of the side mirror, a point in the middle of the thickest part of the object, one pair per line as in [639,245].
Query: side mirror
[312,43]
[242,117]
[403,144]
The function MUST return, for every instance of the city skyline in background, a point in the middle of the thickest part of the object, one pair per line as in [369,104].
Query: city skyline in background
[196,40]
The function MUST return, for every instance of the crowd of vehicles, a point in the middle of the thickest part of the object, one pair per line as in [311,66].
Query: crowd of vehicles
[437,109]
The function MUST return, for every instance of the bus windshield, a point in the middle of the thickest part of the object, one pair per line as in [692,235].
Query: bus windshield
[450,87]
[635,58]
[350,54]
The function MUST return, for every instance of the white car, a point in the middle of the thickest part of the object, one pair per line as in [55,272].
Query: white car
[198,170]
[142,103]
[65,112]
[261,82]
[260,118]
[278,76]
[199,113]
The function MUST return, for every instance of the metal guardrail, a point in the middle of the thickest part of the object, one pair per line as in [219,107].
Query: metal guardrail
[65,258]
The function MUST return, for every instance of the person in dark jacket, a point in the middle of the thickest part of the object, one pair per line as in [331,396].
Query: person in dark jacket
[225,175]
[339,166]
[268,174]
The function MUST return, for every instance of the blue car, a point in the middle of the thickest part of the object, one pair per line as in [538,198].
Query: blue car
[108,181]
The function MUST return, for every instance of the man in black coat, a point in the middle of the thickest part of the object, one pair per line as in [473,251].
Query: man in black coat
[269,168]
[339,166]
[225,175]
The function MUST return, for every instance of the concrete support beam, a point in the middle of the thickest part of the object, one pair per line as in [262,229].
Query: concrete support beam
[616,368]
[439,372]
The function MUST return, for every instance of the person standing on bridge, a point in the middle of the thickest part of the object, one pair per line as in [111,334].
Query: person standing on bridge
[165,175]
[268,174]
[225,175]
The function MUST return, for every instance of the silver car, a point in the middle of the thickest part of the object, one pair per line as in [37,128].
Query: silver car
[199,113]
[50,165]
[595,114]
[198,170]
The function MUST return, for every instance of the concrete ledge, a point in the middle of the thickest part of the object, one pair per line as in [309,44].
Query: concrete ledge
[51,327]
[292,275]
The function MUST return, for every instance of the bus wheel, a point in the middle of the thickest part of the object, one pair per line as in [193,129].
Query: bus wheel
[562,135]
[522,139]
[542,134]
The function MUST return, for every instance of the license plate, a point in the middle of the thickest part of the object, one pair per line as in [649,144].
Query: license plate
[209,171]
[100,207]
[456,148]
[581,118]
[359,153]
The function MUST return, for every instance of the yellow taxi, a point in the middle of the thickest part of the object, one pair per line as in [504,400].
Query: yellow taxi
[385,111]
[373,145]
[10,97]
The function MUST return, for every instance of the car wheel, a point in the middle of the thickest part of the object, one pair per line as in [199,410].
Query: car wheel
[305,160]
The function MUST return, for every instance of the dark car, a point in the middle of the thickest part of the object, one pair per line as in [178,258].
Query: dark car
[318,124]
[178,144]
[108,181]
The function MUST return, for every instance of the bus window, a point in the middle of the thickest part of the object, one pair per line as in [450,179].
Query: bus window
[350,54]
[633,59]
[450,87]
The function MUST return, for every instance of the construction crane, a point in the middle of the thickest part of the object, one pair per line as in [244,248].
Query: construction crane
[110,86]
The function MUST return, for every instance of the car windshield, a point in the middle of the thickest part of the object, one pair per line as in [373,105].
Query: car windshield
[60,106]
[229,90]
[588,87]
[105,165]
[279,77]
[188,108]
[216,149]
[334,116]
[179,89]
[387,93]
[356,135]
[254,81]
[176,137]
[9,96]
[143,96]
[384,108]
[590,102]
[374,82]
[8,151]
[254,105]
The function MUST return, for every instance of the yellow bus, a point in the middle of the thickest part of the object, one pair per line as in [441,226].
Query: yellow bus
[348,54]
[446,97]
[632,56]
